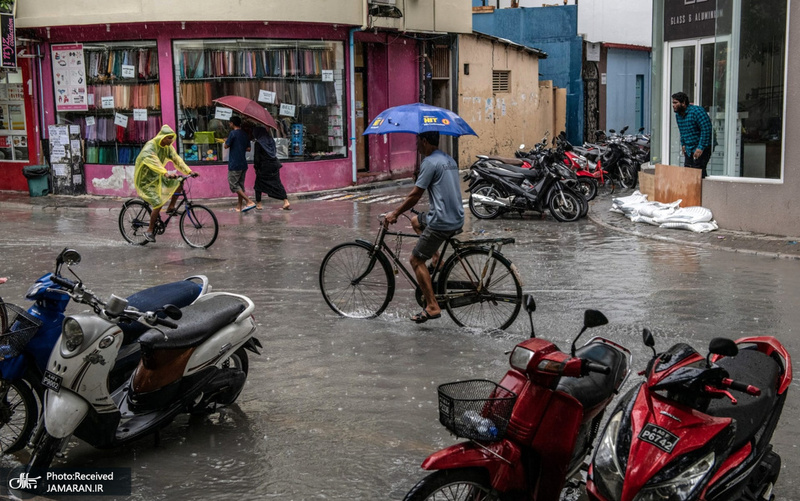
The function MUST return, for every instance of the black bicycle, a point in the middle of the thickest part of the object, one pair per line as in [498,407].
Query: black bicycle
[198,224]
[475,283]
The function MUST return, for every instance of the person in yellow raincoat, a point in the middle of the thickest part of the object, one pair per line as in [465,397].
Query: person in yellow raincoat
[153,183]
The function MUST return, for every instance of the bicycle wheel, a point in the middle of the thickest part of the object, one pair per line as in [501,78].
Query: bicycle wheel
[199,227]
[133,221]
[480,290]
[355,282]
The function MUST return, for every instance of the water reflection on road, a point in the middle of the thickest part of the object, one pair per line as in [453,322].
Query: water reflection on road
[340,409]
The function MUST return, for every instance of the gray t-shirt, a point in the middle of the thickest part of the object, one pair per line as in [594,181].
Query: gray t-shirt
[439,175]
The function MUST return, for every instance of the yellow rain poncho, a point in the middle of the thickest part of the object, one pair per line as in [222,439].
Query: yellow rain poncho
[151,185]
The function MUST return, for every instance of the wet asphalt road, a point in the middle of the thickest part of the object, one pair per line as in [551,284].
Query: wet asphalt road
[340,409]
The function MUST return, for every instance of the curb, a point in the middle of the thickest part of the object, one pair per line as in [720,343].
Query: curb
[704,245]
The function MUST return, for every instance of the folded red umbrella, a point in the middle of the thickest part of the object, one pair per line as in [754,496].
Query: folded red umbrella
[249,108]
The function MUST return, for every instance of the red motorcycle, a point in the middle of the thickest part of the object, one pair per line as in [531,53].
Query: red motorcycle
[530,433]
[681,435]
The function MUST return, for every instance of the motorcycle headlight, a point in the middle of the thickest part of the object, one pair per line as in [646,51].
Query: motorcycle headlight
[608,474]
[520,358]
[72,333]
[680,487]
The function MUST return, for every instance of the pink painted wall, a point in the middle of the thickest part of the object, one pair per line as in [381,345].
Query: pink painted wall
[393,80]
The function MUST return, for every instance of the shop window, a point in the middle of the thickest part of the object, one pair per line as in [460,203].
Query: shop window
[123,100]
[749,89]
[300,83]
[13,135]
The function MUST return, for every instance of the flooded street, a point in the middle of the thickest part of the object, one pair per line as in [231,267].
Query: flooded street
[341,409]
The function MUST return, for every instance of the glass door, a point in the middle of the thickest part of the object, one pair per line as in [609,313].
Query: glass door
[690,68]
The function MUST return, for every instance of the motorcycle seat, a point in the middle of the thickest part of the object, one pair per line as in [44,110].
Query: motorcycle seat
[594,388]
[517,172]
[199,322]
[507,160]
[178,293]
[750,413]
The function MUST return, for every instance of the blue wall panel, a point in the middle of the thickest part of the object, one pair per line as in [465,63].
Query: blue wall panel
[622,68]
[554,31]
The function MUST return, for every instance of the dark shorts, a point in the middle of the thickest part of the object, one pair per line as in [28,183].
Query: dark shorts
[430,240]
[236,180]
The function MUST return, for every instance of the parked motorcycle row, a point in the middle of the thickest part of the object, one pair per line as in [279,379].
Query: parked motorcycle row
[120,371]
[697,428]
[561,179]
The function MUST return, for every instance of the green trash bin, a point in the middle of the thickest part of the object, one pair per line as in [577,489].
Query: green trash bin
[38,177]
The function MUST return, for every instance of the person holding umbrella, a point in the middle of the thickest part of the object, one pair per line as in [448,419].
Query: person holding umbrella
[267,167]
[438,174]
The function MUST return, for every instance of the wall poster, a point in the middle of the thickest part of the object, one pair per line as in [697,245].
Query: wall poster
[69,78]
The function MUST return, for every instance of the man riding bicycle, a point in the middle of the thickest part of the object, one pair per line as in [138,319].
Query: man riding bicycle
[438,174]
[153,183]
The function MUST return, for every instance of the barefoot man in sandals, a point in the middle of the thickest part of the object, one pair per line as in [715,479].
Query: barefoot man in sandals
[438,173]
[239,144]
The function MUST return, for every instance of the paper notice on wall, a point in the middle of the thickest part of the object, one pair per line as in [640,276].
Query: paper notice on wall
[266,96]
[75,144]
[287,110]
[120,119]
[59,169]
[140,114]
[77,179]
[89,121]
[107,102]
[74,129]
[327,75]
[58,153]
[222,113]
[90,99]
[128,71]
[69,77]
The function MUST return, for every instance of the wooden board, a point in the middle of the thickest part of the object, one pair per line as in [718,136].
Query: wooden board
[674,182]
[482,10]
[647,185]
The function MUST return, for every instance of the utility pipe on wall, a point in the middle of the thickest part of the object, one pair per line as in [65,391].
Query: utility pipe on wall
[351,44]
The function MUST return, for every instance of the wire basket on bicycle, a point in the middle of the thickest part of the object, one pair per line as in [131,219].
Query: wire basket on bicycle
[19,328]
[477,409]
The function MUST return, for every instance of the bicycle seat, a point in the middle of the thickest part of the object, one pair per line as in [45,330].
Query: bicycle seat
[199,322]
[750,413]
[594,388]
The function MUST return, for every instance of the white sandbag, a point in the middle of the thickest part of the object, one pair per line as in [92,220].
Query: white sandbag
[687,215]
[703,227]
[643,219]
[635,197]
[658,209]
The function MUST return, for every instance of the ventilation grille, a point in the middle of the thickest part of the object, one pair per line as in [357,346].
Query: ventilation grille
[441,62]
[501,81]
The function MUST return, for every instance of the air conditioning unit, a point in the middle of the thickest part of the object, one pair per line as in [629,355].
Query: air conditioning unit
[384,8]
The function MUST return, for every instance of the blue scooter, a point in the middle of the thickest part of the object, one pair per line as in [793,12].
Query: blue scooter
[28,338]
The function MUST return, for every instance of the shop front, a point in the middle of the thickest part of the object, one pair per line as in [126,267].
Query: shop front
[117,84]
[731,58]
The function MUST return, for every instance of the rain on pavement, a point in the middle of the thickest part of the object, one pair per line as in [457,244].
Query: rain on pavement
[341,409]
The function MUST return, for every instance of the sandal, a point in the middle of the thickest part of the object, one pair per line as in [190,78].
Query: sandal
[288,207]
[249,207]
[424,316]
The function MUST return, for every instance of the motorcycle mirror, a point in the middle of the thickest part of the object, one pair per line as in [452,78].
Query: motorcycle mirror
[70,257]
[522,146]
[641,129]
[594,318]
[723,346]
[612,131]
[591,318]
[648,339]
[173,312]
[530,307]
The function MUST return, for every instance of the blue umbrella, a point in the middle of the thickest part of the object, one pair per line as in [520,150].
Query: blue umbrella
[419,117]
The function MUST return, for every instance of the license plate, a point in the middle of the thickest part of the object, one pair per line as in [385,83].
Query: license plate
[51,381]
[659,437]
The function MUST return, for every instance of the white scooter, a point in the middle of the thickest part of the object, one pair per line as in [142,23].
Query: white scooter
[197,364]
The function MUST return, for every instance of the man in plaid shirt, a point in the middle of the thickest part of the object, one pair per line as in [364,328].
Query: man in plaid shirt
[695,128]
